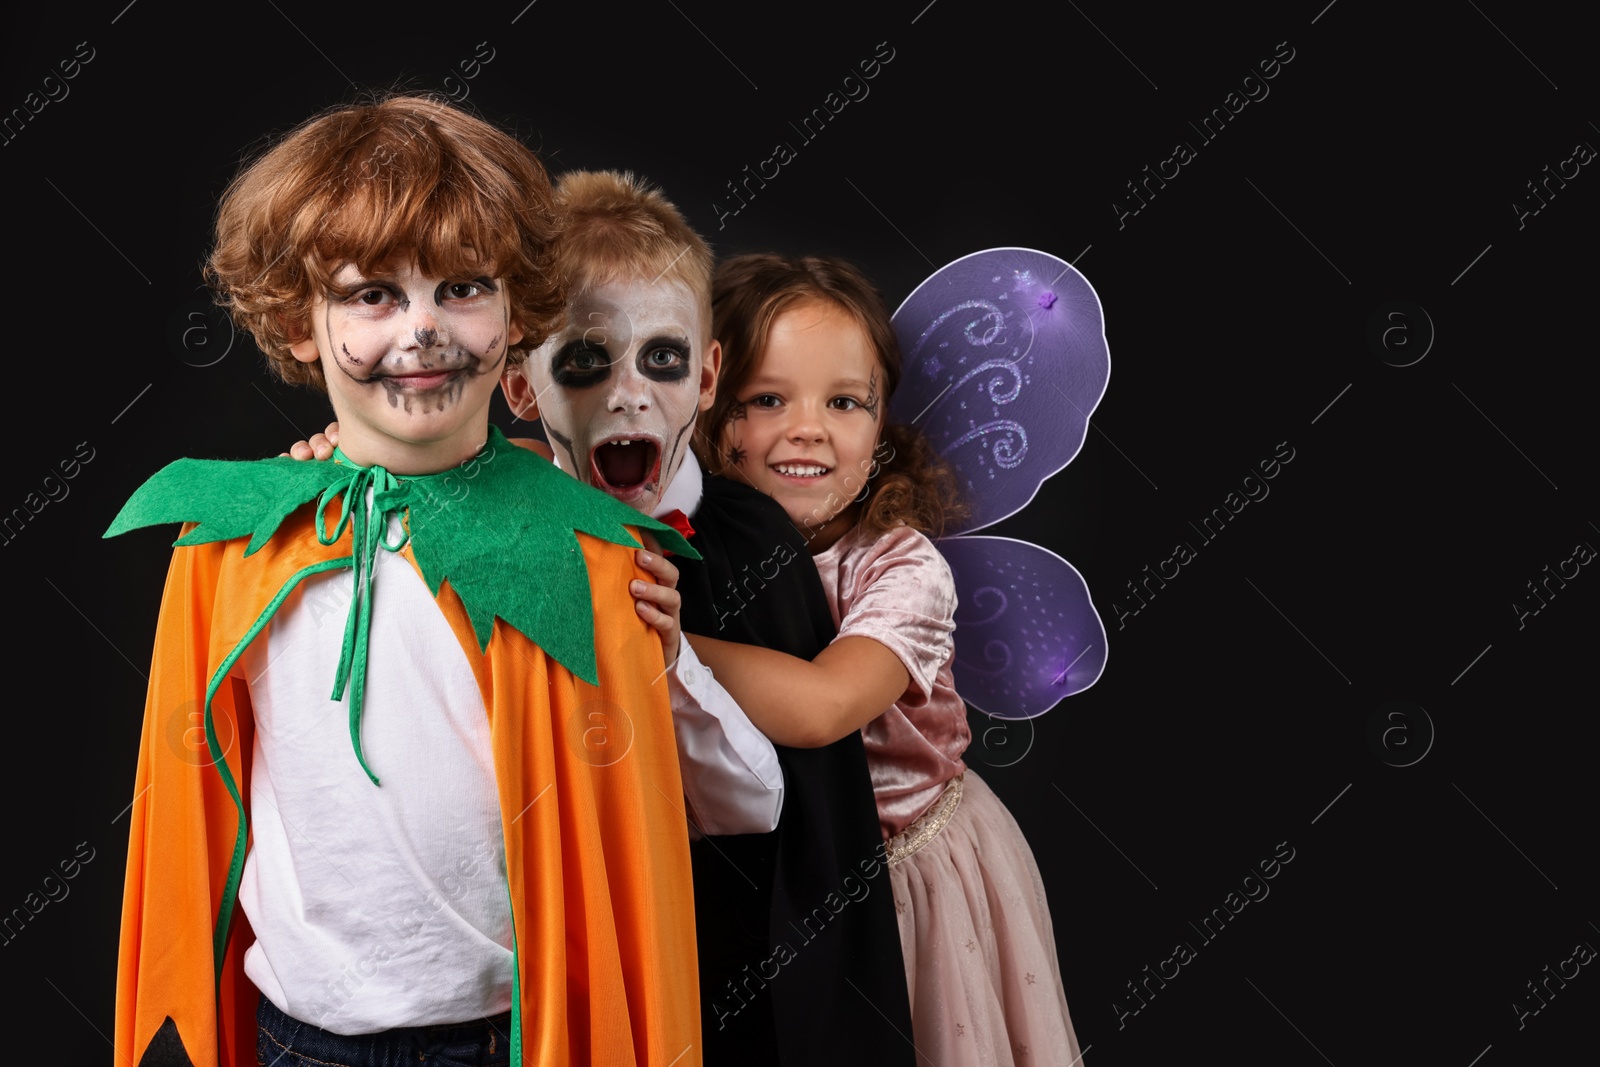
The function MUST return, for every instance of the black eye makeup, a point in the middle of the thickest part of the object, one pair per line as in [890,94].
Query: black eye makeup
[580,364]
[664,360]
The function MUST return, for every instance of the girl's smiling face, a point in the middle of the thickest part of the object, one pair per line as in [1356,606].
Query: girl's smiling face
[806,424]
[411,363]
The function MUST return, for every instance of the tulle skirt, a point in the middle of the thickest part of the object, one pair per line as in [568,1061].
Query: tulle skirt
[980,952]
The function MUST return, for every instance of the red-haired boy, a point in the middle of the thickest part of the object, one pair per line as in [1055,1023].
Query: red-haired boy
[473,851]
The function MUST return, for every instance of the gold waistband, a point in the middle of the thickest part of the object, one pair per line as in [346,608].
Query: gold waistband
[926,827]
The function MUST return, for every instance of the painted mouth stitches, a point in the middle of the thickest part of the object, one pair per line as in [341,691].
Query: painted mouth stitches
[423,378]
[801,470]
[434,388]
[626,463]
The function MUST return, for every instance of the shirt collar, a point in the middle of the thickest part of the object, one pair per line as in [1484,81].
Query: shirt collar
[683,493]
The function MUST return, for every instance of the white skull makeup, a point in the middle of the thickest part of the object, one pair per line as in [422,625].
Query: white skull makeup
[619,386]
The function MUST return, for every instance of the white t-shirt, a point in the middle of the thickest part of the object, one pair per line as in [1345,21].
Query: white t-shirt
[373,906]
[381,906]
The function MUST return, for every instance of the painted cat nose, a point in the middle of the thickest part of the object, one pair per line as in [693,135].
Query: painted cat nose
[419,328]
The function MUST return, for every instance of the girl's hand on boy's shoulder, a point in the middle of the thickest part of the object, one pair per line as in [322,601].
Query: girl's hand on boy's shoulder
[320,446]
[659,603]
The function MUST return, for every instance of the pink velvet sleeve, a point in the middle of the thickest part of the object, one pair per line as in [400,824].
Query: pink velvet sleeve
[897,590]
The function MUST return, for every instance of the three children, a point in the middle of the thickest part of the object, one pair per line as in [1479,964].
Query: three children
[481,855]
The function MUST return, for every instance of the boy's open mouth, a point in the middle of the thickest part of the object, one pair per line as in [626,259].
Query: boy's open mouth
[626,466]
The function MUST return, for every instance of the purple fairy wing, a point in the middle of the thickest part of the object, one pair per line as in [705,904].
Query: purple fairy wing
[1027,634]
[1005,360]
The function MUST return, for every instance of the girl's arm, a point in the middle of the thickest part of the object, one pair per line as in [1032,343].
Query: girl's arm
[807,705]
[893,641]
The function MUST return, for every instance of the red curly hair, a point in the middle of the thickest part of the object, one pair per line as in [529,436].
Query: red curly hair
[404,177]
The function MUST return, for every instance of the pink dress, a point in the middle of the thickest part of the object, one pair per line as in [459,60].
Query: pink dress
[980,953]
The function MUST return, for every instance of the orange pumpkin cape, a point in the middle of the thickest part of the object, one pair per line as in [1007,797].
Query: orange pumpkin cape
[586,766]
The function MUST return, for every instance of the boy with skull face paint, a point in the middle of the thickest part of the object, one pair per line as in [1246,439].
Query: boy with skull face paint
[618,390]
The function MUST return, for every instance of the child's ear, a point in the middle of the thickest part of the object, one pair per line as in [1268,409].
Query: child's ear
[710,367]
[520,397]
[305,350]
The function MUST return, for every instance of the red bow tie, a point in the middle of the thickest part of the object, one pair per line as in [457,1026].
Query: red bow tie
[678,521]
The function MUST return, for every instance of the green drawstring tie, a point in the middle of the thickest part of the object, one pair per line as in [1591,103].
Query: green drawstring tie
[368,525]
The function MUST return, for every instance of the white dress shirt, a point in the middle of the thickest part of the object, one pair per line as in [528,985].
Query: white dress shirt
[732,782]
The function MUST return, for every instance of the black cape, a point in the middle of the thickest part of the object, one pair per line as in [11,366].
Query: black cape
[800,960]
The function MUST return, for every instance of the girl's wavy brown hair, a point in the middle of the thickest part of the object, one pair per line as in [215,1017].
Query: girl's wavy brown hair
[911,484]
[403,178]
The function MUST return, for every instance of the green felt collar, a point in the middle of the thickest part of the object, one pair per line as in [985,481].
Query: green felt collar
[501,528]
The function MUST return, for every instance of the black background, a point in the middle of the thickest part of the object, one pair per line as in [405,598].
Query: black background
[1237,707]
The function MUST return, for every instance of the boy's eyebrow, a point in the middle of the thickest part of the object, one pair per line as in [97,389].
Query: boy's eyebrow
[469,266]
[350,277]
[581,344]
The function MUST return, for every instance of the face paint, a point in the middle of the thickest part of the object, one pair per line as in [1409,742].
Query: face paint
[620,385]
[411,363]
[806,425]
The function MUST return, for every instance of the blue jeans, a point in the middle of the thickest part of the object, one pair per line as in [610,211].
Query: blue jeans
[282,1041]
